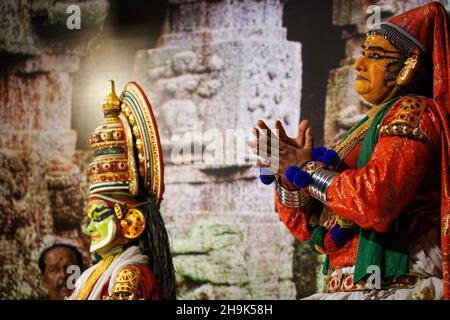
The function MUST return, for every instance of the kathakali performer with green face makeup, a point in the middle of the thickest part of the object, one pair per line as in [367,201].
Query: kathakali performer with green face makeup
[126,188]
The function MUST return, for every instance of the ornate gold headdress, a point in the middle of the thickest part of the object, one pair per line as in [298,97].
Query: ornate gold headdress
[128,157]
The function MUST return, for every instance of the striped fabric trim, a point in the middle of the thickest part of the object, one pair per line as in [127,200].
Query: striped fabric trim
[136,104]
[108,186]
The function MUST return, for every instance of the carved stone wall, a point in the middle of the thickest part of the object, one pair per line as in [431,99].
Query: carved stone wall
[222,65]
[41,186]
[343,105]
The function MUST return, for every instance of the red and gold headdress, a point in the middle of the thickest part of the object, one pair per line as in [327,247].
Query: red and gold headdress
[128,163]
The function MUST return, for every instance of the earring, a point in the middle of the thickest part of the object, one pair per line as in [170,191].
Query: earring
[118,211]
[133,224]
[406,74]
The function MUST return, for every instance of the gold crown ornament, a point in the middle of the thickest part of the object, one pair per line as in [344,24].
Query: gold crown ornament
[128,156]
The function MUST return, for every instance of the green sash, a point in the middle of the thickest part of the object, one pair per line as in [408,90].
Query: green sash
[388,250]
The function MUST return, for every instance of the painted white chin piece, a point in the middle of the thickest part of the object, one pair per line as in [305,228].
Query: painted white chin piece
[109,238]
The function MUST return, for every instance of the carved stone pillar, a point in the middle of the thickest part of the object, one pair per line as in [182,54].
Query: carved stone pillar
[41,201]
[219,67]
[343,105]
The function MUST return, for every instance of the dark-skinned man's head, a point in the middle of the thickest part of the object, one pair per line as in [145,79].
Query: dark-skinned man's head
[53,264]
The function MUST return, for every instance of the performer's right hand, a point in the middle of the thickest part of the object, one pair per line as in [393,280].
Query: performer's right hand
[291,151]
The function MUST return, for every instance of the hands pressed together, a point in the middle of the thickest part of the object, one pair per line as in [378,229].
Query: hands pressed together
[279,151]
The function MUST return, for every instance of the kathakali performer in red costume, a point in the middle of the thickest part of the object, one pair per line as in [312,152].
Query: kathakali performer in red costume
[381,199]
[126,187]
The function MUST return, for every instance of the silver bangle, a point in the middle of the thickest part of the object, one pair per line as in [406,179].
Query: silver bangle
[321,181]
[291,198]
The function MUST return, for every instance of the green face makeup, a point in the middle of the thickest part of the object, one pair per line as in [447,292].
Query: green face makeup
[102,227]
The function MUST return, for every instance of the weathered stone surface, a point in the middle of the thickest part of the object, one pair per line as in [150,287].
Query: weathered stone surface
[227,196]
[93,12]
[356,12]
[344,107]
[222,65]
[39,206]
[27,26]
[17,36]
[219,249]
[41,195]
[22,111]
[241,82]
[307,267]
[193,16]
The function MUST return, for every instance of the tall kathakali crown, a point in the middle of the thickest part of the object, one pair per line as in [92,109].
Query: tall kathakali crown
[128,157]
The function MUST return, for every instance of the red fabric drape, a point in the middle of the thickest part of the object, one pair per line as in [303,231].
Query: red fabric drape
[429,24]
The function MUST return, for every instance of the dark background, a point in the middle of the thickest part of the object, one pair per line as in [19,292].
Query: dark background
[310,23]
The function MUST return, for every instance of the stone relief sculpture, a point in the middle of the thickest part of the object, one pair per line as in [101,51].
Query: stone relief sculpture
[42,197]
[219,66]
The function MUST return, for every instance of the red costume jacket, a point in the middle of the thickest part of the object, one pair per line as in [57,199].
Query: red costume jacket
[402,177]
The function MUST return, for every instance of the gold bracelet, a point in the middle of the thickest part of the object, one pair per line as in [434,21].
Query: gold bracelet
[312,166]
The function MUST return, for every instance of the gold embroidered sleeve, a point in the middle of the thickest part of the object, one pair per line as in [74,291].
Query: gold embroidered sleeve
[126,286]
[406,120]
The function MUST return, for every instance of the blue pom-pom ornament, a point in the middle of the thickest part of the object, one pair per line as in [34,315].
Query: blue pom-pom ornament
[290,173]
[266,176]
[318,152]
[330,158]
[302,179]
[340,235]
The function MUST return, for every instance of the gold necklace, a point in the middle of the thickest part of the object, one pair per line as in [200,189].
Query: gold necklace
[344,147]
[95,275]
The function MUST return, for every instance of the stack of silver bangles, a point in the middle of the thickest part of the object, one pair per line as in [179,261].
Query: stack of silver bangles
[321,180]
[291,198]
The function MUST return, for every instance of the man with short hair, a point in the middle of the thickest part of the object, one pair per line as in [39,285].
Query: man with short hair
[53,264]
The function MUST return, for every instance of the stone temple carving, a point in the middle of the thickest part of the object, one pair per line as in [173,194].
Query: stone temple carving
[41,194]
[219,67]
